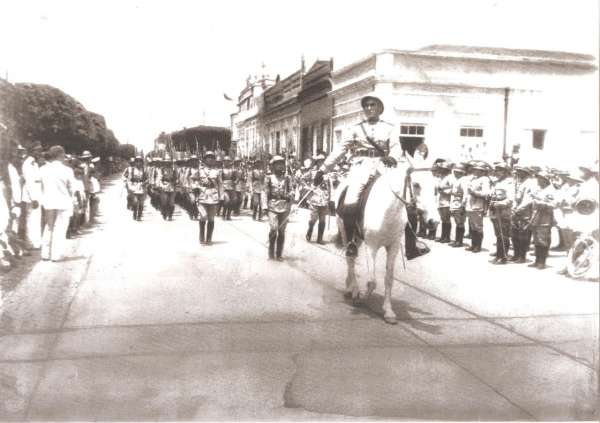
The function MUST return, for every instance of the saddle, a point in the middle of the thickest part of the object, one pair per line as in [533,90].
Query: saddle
[354,216]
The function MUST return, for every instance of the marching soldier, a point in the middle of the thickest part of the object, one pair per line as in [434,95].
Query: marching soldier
[375,143]
[194,185]
[319,200]
[229,177]
[125,177]
[543,201]
[478,190]
[240,185]
[136,184]
[501,201]
[210,192]
[167,180]
[257,177]
[444,191]
[457,203]
[279,196]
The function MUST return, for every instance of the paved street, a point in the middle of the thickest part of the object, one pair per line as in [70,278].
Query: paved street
[143,323]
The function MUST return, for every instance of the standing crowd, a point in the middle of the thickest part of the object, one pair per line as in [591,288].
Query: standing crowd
[47,197]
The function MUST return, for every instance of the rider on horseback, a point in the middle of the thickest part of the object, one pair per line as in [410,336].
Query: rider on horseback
[374,143]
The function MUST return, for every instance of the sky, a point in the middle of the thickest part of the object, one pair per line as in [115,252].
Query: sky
[152,66]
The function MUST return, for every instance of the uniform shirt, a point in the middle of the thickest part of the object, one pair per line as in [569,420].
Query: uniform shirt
[502,197]
[228,175]
[210,185]
[58,181]
[321,193]
[258,181]
[384,134]
[240,182]
[136,180]
[459,190]
[32,188]
[278,193]
[15,185]
[478,189]
[444,190]
[194,178]
[166,179]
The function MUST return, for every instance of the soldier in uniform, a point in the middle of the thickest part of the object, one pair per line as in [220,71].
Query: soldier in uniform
[257,178]
[501,202]
[279,196]
[229,178]
[194,185]
[125,177]
[567,199]
[319,200]
[376,143]
[521,214]
[543,201]
[136,184]
[478,190]
[240,186]
[210,192]
[457,203]
[167,180]
[444,192]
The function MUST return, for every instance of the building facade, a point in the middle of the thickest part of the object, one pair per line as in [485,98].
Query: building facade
[280,120]
[476,103]
[245,123]
[315,110]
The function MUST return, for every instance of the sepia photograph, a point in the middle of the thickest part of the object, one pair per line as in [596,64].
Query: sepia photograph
[278,210]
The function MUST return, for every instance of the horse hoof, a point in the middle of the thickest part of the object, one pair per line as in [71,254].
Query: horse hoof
[392,320]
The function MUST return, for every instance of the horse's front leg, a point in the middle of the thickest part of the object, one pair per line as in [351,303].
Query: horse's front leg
[372,284]
[388,313]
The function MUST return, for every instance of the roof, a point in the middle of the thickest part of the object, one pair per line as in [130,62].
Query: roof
[468,51]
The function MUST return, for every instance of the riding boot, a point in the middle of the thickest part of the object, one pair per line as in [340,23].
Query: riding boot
[272,237]
[538,257]
[446,228]
[280,241]
[477,237]
[202,229]
[516,250]
[321,230]
[459,237]
[254,210]
[229,210]
[544,256]
[309,232]
[209,232]
[473,241]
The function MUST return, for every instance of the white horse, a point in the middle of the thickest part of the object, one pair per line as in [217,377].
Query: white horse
[384,223]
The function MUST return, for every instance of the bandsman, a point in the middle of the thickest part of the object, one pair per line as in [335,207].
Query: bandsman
[167,180]
[319,199]
[501,202]
[210,193]
[136,184]
[457,203]
[543,201]
[279,197]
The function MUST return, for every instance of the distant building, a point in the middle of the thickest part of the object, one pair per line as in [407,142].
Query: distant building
[315,110]
[475,102]
[280,128]
[245,124]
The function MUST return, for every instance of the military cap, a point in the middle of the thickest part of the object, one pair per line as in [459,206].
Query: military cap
[459,167]
[36,145]
[480,165]
[544,174]
[501,165]
[445,165]
[524,169]
[276,159]
[86,155]
[372,97]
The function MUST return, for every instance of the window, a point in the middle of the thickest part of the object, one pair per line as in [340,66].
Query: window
[471,132]
[538,136]
[418,130]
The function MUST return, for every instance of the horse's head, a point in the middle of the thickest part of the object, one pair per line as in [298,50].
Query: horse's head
[397,177]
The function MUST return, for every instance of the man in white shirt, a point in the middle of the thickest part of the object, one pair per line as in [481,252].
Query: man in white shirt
[58,181]
[31,196]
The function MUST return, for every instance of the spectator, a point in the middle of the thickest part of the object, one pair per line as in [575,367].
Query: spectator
[94,198]
[31,196]
[57,198]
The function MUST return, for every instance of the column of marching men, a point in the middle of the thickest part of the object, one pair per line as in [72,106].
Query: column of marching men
[522,203]
[47,197]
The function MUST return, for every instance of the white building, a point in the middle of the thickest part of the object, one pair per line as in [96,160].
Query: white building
[474,102]
[245,125]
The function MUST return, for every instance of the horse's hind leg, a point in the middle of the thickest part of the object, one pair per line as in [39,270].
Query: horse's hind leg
[352,290]
[388,314]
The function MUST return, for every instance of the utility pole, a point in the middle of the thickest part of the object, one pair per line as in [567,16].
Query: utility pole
[506,92]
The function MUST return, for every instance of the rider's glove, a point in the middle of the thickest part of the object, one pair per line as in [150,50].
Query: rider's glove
[389,161]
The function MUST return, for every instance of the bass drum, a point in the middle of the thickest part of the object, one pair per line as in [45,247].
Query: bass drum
[582,259]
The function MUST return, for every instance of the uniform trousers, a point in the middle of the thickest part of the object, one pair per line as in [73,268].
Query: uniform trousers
[55,233]
[445,216]
[167,202]
[459,216]
[475,220]
[318,213]
[502,231]
[542,236]
[34,229]
[207,212]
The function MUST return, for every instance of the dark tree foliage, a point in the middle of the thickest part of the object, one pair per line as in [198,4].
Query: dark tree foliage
[34,112]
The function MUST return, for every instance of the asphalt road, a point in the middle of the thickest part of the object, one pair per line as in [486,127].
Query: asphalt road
[140,322]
